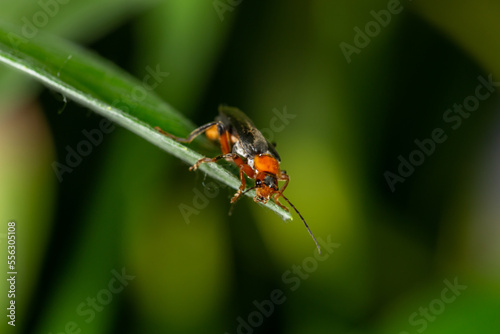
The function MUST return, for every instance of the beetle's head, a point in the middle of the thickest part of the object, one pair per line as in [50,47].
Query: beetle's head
[266,184]
[266,181]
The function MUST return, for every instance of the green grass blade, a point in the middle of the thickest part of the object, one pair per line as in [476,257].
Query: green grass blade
[109,91]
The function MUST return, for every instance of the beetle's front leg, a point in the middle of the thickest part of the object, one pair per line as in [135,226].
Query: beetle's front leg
[205,160]
[283,176]
[277,201]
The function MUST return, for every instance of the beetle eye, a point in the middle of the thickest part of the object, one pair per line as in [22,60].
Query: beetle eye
[270,181]
[258,182]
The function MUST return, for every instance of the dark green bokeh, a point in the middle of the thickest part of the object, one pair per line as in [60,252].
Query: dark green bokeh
[393,253]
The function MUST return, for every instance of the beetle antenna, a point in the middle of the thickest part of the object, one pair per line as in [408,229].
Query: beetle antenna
[243,193]
[308,229]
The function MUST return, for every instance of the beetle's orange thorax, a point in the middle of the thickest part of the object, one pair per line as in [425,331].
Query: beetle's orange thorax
[266,163]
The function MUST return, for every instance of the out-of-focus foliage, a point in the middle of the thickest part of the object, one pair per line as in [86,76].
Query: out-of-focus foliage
[385,114]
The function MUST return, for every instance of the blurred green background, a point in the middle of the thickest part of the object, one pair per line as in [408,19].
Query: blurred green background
[126,243]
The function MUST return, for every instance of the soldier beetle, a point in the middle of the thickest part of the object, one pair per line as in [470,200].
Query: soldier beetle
[242,143]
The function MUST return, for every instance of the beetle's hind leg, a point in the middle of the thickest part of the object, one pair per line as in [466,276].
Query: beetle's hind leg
[195,133]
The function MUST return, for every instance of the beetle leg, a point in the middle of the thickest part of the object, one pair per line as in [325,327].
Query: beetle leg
[282,177]
[242,186]
[276,200]
[192,135]
[205,160]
